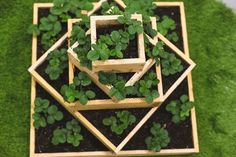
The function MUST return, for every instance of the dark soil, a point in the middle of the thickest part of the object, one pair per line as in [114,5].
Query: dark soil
[44,135]
[168,81]
[96,117]
[174,13]
[44,12]
[62,80]
[132,49]
[181,135]
[99,93]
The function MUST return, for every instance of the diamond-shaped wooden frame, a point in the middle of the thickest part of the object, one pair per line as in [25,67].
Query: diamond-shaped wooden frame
[195,149]
[108,104]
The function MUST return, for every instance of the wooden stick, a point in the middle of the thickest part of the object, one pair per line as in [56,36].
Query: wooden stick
[190,84]
[125,153]
[44,56]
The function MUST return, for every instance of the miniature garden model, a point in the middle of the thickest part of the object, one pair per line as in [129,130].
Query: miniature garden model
[111,78]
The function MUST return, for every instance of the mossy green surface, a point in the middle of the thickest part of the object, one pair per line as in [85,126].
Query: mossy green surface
[212,42]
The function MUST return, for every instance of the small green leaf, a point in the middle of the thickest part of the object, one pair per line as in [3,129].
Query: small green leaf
[90,94]
[58,116]
[93,55]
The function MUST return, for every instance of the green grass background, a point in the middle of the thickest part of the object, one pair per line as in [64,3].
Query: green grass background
[212,41]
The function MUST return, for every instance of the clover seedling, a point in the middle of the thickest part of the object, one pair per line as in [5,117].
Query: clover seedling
[45,113]
[120,122]
[78,34]
[71,93]
[119,90]
[170,64]
[147,87]
[50,28]
[141,7]
[180,109]
[166,26]
[99,51]
[57,63]
[70,134]
[159,138]
[110,9]
[134,26]
[64,8]
[156,51]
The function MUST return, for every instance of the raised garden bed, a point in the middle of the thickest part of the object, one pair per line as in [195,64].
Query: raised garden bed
[134,58]
[98,138]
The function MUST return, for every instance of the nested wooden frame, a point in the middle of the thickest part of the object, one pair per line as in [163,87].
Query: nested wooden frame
[70,107]
[107,103]
[183,151]
[117,65]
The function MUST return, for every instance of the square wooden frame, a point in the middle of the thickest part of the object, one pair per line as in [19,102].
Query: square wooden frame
[109,104]
[195,149]
[117,65]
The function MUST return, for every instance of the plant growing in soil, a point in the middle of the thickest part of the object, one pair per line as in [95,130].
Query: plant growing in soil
[112,45]
[70,134]
[44,113]
[166,26]
[71,93]
[159,138]
[50,27]
[78,34]
[141,7]
[169,62]
[57,63]
[119,90]
[120,122]
[180,109]
[64,8]
[110,9]
[147,87]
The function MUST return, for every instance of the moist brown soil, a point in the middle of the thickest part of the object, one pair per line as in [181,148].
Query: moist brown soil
[181,135]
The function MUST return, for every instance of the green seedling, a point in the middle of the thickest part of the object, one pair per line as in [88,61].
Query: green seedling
[147,87]
[70,134]
[119,123]
[45,113]
[71,93]
[180,109]
[57,63]
[159,138]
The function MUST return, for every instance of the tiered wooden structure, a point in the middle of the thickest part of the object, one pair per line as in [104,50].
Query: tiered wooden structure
[74,108]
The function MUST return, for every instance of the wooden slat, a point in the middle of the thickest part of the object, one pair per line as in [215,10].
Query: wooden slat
[138,75]
[117,65]
[168,4]
[120,3]
[96,7]
[190,84]
[163,152]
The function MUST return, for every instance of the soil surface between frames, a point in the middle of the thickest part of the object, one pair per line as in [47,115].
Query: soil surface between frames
[181,135]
